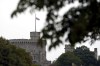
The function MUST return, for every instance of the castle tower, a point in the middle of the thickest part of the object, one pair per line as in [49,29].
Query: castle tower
[30,45]
[34,35]
[69,48]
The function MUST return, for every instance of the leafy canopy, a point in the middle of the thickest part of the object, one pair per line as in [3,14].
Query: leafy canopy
[12,56]
[81,56]
[79,24]
[87,56]
[66,59]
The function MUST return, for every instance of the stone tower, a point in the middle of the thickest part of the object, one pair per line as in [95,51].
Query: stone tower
[30,45]
[69,48]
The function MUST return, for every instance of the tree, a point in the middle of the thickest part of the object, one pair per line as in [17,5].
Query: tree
[98,62]
[86,56]
[79,24]
[67,59]
[13,56]
[35,65]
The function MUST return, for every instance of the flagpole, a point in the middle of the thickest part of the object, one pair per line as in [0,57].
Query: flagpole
[35,22]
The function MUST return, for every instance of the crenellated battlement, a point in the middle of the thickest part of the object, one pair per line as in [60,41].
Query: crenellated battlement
[34,35]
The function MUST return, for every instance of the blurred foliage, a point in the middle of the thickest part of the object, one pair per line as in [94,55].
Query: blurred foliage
[12,56]
[79,24]
[81,56]
[98,62]
[35,65]
[67,59]
[87,56]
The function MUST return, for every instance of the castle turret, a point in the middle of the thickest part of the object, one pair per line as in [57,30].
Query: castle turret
[69,48]
[34,35]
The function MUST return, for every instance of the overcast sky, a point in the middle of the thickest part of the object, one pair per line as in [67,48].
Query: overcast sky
[20,27]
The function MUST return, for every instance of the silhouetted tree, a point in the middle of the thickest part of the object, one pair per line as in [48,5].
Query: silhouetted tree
[66,59]
[12,56]
[86,56]
[98,62]
[79,24]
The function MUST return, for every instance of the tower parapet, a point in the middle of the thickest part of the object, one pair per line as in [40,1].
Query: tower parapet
[34,35]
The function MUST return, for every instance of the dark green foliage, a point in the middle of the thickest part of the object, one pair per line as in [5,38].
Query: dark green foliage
[12,56]
[79,24]
[86,56]
[98,62]
[81,56]
[67,59]
[35,65]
